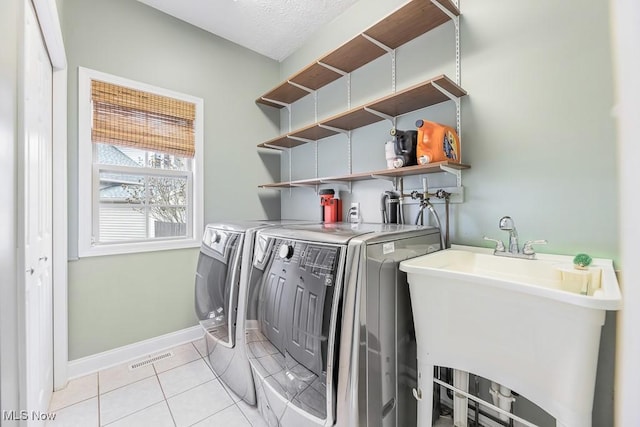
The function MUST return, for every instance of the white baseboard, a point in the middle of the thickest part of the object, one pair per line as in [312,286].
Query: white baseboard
[97,362]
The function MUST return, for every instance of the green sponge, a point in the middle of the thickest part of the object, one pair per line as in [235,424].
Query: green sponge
[581,261]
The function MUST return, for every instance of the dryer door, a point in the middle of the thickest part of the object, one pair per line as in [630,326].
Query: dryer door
[217,281]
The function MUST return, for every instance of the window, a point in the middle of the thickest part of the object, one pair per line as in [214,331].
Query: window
[140,166]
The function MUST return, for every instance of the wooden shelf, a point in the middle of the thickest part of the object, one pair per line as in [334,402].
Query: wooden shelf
[312,132]
[413,98]
[408,22]
[389,173]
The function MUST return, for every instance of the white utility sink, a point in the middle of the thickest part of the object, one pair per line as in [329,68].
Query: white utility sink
[531,325]
[547,276]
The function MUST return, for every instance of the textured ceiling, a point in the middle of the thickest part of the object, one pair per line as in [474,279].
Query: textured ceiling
[274,28]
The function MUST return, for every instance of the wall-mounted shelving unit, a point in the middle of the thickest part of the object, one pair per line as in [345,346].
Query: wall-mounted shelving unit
[413,19]
[414,98]
[383,173]
[405,24]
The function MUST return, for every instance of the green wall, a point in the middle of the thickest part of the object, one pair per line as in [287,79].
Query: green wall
[537,125]
[123,299]
[537,129]
[119,300]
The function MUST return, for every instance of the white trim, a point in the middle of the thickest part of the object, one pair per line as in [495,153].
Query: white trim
[47,14]
[85,170]
[133,84]
[138,247]
[117,356]
[132,170]
[60,231]
[20,207]
[49,22]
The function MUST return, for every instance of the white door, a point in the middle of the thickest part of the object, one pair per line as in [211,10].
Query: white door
[37,371]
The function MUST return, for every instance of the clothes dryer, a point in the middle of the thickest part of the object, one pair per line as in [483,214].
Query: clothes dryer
[330,336]
[225,257]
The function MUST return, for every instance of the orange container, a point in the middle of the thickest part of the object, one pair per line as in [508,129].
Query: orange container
[436,143]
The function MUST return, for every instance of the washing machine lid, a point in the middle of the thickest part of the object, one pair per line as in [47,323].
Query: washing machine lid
[338,232]
[244,225]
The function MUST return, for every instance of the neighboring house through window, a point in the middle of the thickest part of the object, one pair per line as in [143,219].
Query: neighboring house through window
[140,166]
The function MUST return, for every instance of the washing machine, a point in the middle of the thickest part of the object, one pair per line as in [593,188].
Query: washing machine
[329,326]
[225,257]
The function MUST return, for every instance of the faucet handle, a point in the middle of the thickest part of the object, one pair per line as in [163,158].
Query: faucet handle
[499,244]
[527,249]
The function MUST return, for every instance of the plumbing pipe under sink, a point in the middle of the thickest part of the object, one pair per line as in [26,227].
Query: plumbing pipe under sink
[502,398]
[460,402]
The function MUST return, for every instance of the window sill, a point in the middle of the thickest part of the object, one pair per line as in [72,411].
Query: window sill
[130,248]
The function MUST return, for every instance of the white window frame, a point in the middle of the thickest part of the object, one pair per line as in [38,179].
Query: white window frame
[88,173]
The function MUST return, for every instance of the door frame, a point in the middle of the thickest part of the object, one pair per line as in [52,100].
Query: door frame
[624,33]
[48,18]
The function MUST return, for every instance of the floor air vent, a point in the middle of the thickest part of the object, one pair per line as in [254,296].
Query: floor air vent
[150,360]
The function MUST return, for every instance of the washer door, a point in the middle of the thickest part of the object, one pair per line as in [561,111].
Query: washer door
[293,293]
[217,281]
[296,302]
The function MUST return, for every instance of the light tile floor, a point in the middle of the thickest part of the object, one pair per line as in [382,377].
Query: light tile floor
[179,391]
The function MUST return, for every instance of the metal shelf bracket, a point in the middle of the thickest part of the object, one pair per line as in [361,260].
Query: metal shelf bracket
[445,92]
[297,138]
[349,155]
[456,23]
[380,114]
[377,42]
[453,171]
[385,178]
[306,89]
[393,71]
[444,9]
[275,147]
[284,104]
[333,183]
[335,129]
[297,184]
[349,91]
[456,100]
[332,68]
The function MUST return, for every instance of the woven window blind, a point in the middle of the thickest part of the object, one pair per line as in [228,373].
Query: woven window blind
[147,121]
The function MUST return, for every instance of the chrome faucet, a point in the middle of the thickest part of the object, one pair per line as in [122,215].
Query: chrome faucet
[527,252]
[507,224]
